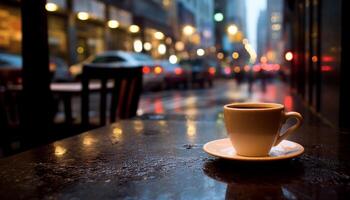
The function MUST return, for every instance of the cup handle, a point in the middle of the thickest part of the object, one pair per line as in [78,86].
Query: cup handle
[291,129]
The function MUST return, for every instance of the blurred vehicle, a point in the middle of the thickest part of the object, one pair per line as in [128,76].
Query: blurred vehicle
[175,75]
[266,70]
[60,70]
[153,71]
[10,69]
[201,71]
[11,66]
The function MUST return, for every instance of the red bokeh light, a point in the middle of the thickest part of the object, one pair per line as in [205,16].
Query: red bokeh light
[212,70]
[178,71]
[158,106]
[256,68]
[227,70]
[146,69]
[326,68]
[288,103]
[327,59]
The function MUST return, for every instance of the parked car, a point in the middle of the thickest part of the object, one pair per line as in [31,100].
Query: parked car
[11,66]
[175,75]
[201,71]
[153,71]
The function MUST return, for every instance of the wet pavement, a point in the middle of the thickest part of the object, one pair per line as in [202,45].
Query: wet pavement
[206,104]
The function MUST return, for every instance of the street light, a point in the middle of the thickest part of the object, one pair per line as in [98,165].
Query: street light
[289,56]
[113,24]
[147,46]
[232,29]
[137,45]
[161,49]
[218,17]
[134,28]
[188,30]
[51,7]
[83,15]
[173,59]
[200,52]
[159,35]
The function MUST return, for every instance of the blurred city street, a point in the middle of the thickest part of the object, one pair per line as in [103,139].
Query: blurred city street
[206,104]
[198,104]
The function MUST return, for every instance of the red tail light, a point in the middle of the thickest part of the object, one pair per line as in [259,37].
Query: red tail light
[178,71]
[326,68]
[158,70]
[276,67]
[267,67]
[146,69]
[257,68]
[212,70]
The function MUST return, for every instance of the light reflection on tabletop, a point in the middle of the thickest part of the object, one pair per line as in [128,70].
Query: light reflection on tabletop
[59,150]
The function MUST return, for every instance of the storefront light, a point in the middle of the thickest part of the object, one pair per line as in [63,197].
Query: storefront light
[161,49]
[179,46]
[173,59]
[220,55]
[51,7]
[235,55]
[147,46]
[83,15]
[159,35]
[276,27]
[134,28]
[113,24]
[137,45]
[200,52]
[232,29]
[188,30]
[80,50]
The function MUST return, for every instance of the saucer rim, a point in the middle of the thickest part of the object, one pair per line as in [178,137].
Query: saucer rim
[248,158]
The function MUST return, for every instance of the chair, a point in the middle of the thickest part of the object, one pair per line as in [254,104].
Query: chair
[125,92]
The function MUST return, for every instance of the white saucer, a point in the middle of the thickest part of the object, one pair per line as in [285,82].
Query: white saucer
[223,148]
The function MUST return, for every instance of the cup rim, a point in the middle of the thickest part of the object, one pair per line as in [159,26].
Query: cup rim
[264,106]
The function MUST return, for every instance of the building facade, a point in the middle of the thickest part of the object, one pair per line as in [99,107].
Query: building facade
[275,44]
[81,28]
[262,27]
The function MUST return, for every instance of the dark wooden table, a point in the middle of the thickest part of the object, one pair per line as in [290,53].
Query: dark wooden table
[146,159]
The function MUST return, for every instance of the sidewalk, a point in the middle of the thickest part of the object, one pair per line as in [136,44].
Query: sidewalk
[206,104]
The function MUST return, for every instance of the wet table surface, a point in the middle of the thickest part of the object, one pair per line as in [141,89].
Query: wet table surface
[158,159]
